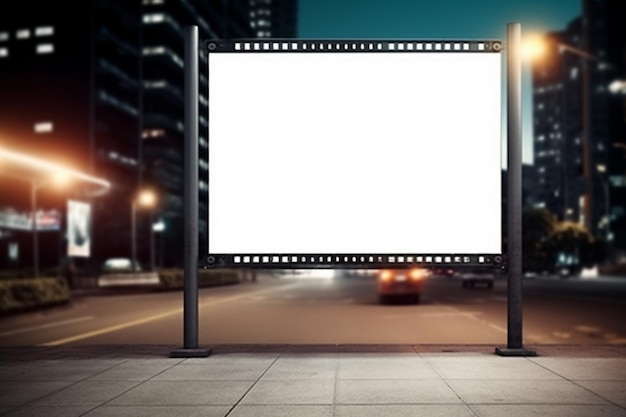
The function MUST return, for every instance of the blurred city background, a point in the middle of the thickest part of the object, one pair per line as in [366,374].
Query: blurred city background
[91,122]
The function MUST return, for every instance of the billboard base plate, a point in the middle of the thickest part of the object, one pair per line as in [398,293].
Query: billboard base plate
[190,353]
[505,351]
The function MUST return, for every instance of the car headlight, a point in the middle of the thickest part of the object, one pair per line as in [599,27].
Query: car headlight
[417,273]
[385,276]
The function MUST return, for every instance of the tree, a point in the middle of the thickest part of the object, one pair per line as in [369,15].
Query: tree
[573,245]
[537,225]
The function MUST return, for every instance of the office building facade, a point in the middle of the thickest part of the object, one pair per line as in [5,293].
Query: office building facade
[101,89]
[580,123]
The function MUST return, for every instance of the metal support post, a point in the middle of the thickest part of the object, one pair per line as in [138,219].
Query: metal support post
[190,348]
[514,205]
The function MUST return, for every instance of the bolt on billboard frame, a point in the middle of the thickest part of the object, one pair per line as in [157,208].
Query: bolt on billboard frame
[354,153]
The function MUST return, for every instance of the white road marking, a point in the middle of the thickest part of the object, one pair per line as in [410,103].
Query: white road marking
[45,326]
[473,316]
[148,319]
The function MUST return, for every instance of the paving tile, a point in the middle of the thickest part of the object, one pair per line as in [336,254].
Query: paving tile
[310,391]
[160,411]
[488,367]
[614,391]
[282,411]
[394,391]
[215,370]
[49,411]
[439,410]
[265,358]
[184,393]
[302,368]
[381,367]
[505,391]
[22,392]
[586,368]
[136,370]
[548,410]
[56,370]
[88,392]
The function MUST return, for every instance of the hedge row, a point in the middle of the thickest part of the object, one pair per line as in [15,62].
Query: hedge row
[25,293]
[173,278]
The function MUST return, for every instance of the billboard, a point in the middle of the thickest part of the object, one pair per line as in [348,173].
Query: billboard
[78,229]
[46,220]
[358,153]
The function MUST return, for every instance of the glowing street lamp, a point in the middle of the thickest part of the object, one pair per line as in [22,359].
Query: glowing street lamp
[145,198]
[535,47]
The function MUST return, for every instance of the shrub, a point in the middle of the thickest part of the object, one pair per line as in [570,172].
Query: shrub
[174,278]
[19,294]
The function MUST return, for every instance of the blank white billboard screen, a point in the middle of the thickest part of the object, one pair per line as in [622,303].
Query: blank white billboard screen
[354,153]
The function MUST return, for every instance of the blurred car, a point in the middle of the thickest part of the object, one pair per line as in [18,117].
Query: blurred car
[472,280]
[443,272]
[406,283]
[117,265]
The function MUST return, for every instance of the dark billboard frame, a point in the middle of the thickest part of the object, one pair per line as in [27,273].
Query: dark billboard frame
[286,259]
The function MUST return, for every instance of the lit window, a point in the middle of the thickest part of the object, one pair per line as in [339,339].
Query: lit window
[154,50]
[44,31]
[4,52]
[43,127]
[4,36]
[541,138]
[154,18]
[22,34]
[45,48]
[573,73]
[153,133]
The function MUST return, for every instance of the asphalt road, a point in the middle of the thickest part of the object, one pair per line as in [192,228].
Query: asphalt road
[309,309]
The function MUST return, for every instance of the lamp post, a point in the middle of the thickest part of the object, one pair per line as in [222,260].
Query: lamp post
[158,227]
[35,186]
[145,198]
[535,48]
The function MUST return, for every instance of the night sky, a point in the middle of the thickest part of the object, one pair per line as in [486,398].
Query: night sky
[440,19]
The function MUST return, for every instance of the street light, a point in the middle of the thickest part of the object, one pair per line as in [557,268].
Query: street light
[158,227]
[59,179]
[534,47]
[145,198]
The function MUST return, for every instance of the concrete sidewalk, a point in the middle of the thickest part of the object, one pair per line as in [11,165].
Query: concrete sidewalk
[313,381]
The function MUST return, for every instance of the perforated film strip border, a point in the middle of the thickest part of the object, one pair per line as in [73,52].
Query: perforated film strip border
[296,261]
[363,45]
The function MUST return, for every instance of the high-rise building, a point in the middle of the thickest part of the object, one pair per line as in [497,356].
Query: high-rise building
[70,91]
[580,125]
[163,105]
[273,18]
[102,90]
